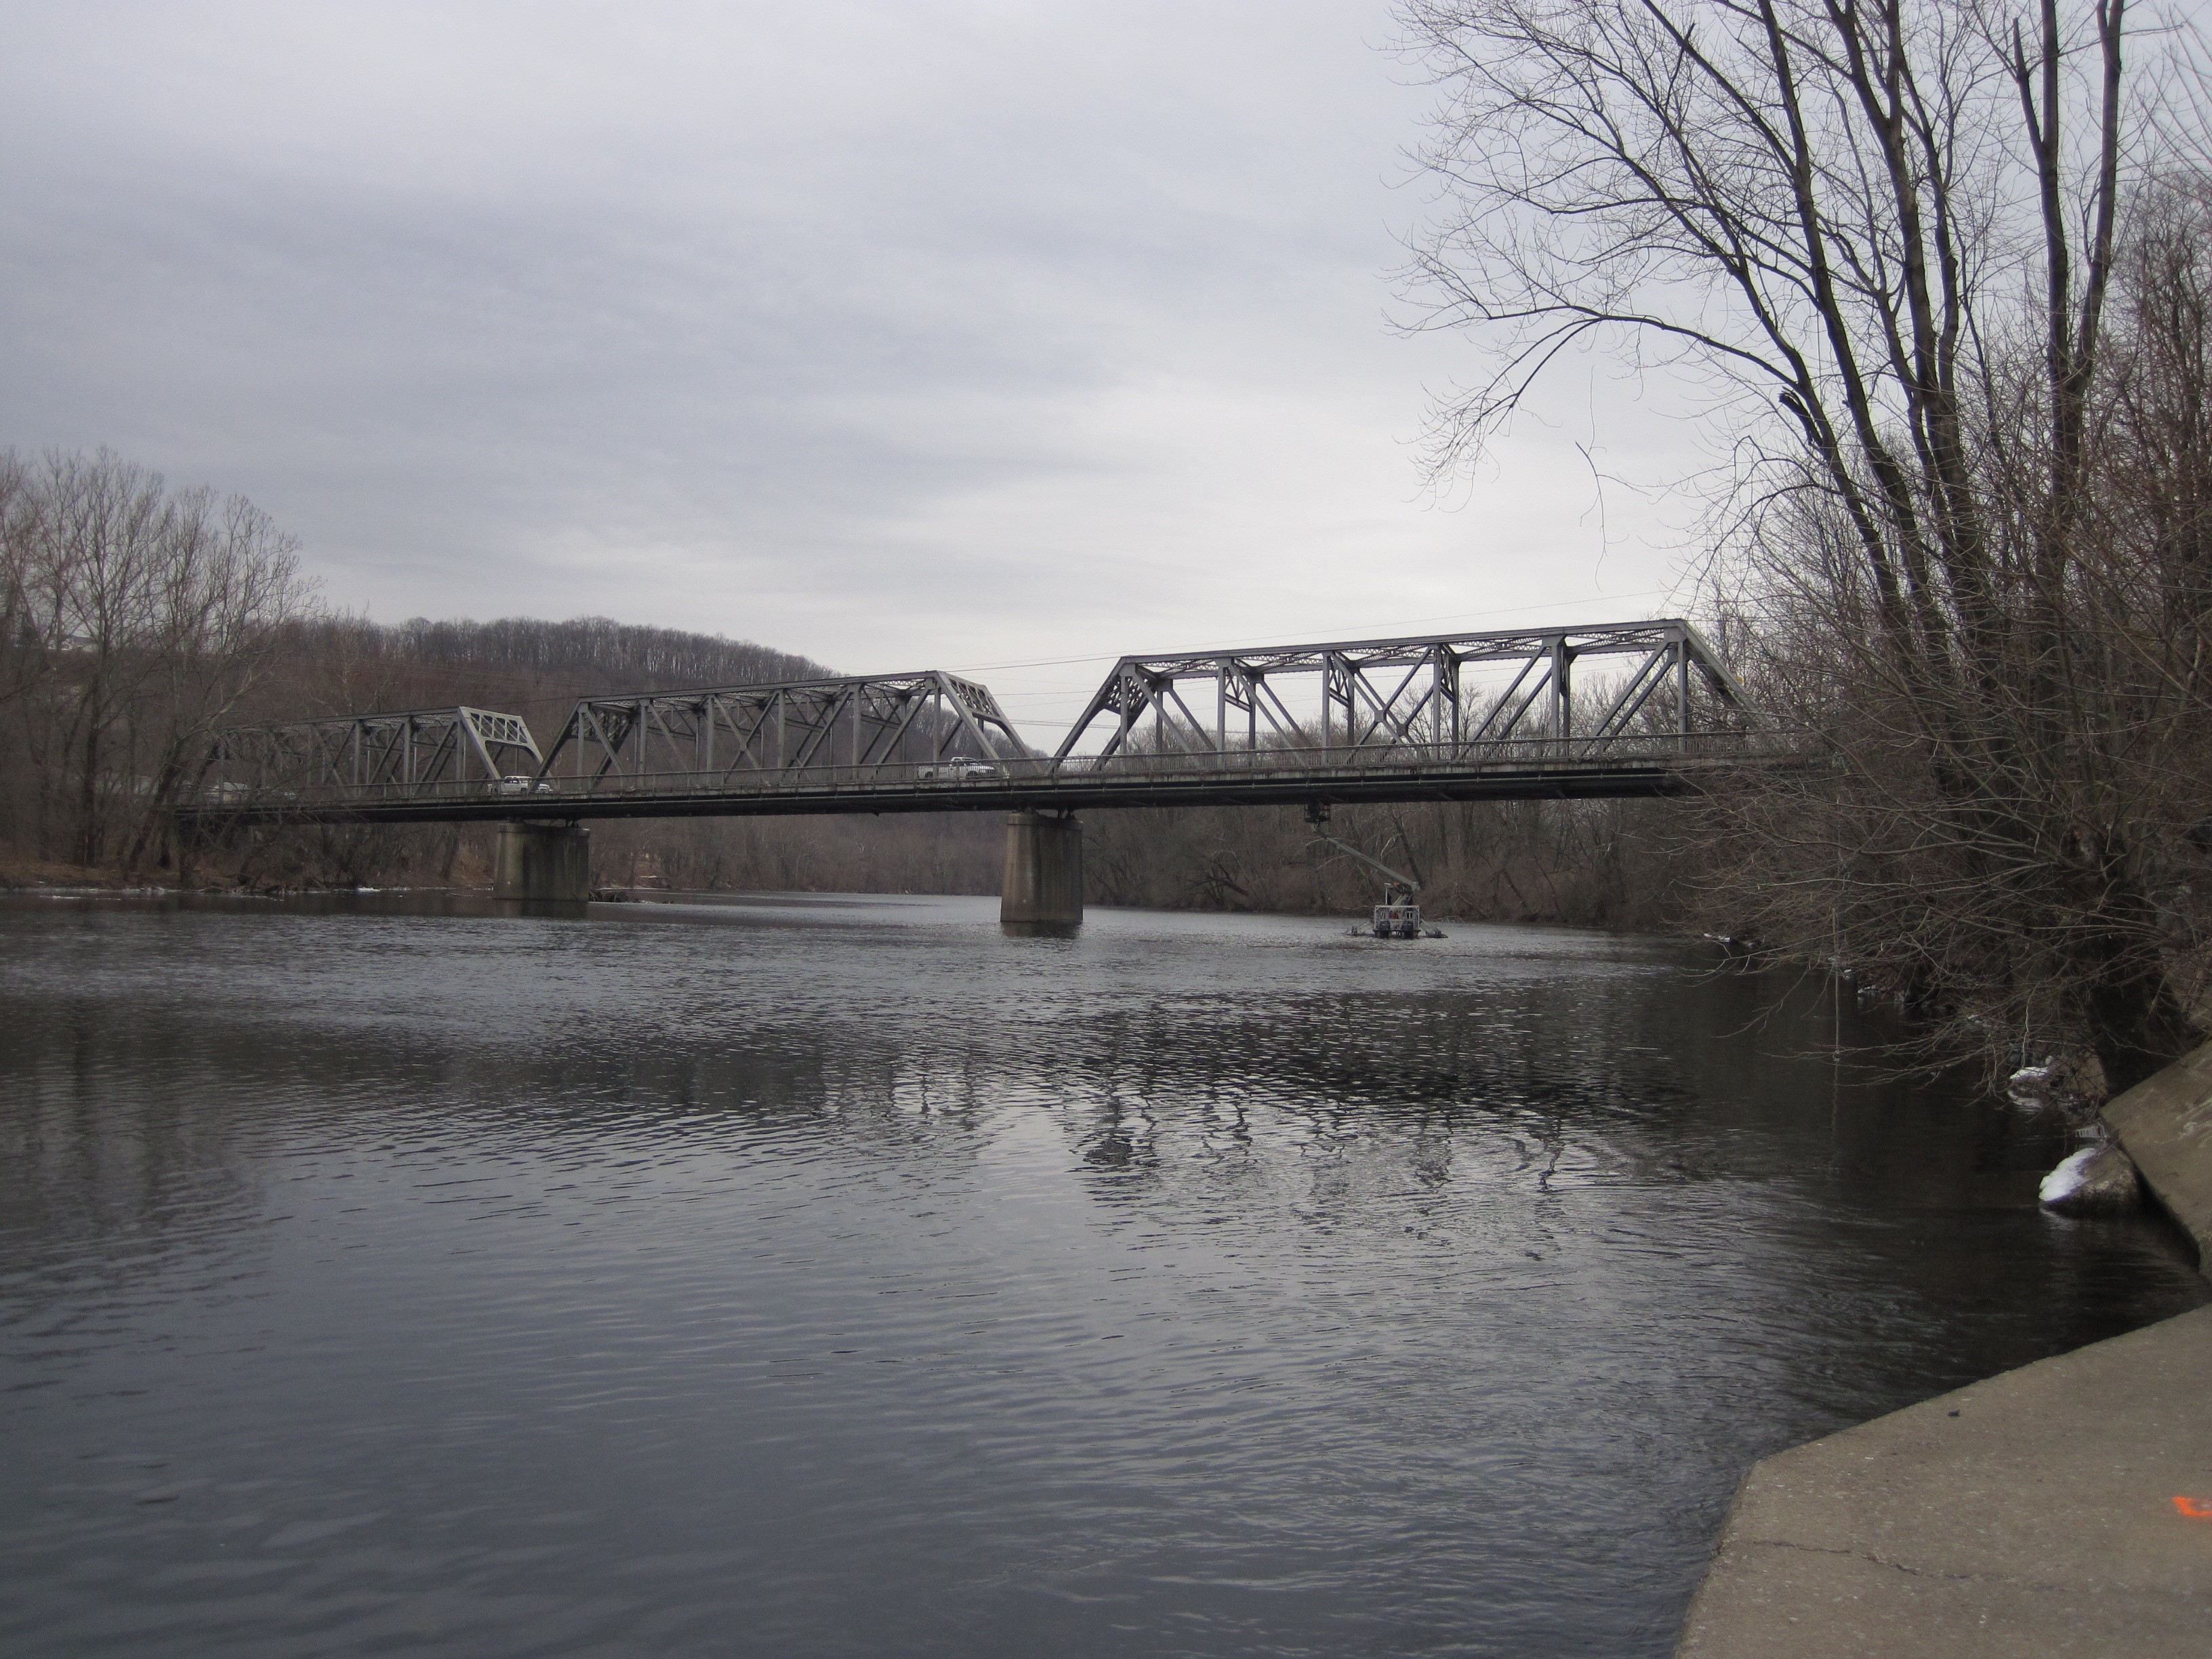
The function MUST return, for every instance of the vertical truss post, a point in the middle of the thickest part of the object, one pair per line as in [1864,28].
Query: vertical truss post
[1444,698]
[1561,694]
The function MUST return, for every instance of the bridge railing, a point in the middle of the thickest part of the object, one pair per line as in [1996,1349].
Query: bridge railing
[962,782]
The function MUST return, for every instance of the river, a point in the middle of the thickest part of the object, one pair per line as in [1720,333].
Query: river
[839,1276]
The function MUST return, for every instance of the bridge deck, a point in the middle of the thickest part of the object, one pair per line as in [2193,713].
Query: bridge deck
[1515,769]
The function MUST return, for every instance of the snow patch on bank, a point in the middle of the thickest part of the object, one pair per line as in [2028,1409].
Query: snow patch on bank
[2069,1178]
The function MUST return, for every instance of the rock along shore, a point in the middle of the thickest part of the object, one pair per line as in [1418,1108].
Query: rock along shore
[2064,1508]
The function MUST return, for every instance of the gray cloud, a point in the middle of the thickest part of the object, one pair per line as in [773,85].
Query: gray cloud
[964,333]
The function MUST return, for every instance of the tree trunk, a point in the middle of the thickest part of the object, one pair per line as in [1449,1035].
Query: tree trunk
[2136,1024]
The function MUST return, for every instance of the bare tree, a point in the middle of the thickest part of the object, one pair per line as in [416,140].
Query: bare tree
[1881,238]
[21,663]
[227,581]
[138,619]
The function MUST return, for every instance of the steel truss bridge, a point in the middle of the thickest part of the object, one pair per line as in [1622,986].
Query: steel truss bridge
[1641,708]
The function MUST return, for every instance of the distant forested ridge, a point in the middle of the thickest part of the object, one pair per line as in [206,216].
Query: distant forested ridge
[529,660]
[519,665]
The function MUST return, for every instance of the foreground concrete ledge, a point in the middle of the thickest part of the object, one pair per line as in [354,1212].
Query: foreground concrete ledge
[2165,1123]
[2035,1513]
[2064,1508]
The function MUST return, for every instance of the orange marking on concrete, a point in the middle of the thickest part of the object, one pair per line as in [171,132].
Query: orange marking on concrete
[2193,1509]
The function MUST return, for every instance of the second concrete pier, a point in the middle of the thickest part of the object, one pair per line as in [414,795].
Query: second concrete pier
[543,861]
[1043,883]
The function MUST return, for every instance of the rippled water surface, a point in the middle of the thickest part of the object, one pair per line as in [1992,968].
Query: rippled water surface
[843,1278]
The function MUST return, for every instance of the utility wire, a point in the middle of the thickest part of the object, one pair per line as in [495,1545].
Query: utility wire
[1211,645]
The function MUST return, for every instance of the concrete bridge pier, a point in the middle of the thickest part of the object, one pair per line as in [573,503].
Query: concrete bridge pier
[1043,884]
[545,861]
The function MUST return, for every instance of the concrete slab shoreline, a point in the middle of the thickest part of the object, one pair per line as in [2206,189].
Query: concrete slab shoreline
[2165,1123]
[2064,1508]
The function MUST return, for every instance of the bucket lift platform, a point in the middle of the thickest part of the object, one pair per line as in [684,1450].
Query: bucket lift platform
[1399,916]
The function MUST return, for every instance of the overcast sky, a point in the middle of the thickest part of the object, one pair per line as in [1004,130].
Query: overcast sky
[984,336]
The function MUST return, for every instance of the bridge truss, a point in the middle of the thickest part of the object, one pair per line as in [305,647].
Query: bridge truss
[863,723]
[404,755]
[1440,694]
[1482,716]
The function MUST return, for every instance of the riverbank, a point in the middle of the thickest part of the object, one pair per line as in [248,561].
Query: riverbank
[19,872]
[2065,1507]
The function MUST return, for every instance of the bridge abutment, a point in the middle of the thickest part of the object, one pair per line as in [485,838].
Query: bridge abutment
[1043,883]
[543,861]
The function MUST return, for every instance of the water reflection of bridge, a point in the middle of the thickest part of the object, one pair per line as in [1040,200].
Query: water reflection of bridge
[1487,716]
